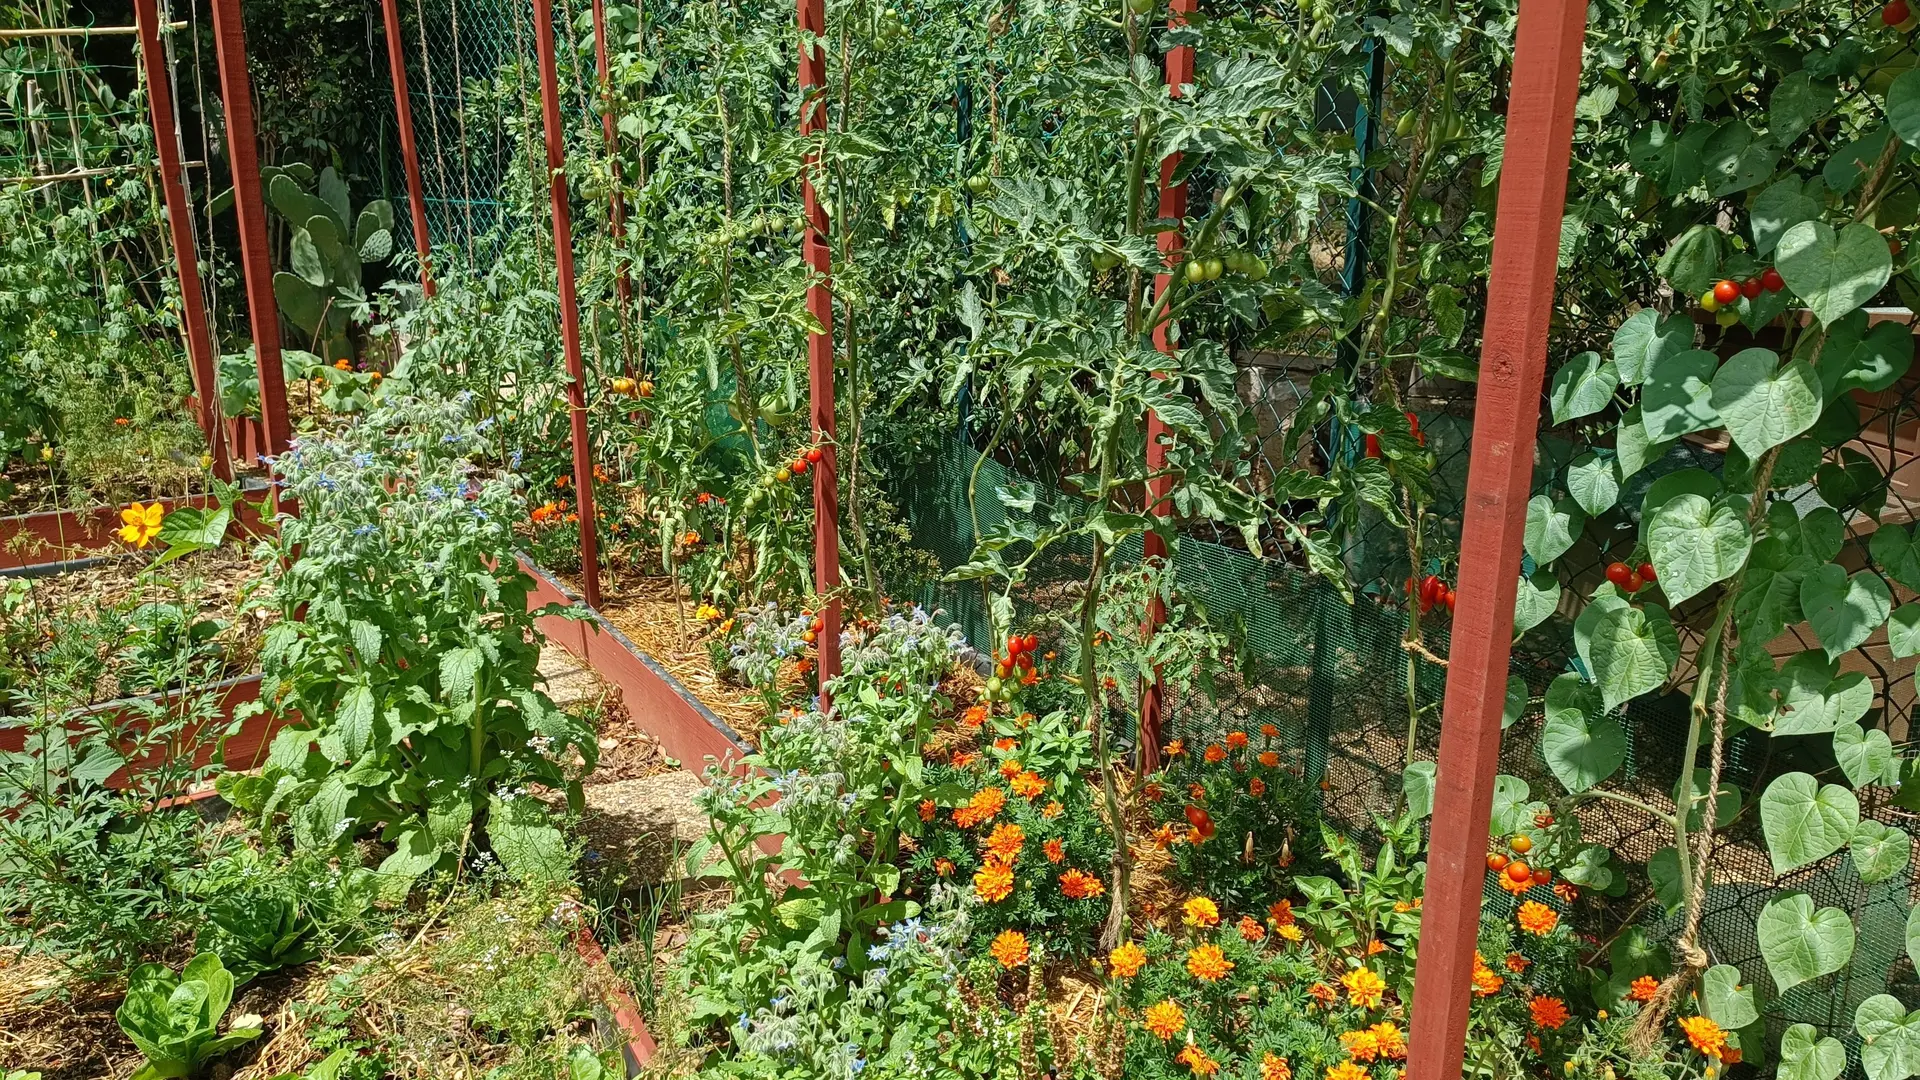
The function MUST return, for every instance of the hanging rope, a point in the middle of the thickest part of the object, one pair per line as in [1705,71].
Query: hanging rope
[460,116]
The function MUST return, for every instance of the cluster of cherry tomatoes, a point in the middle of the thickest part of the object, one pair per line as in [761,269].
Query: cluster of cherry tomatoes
[1430,593]
[625,387]
[1727,292]
[1515,866]
[1413,422]
[1630,579]
[1018,659]
[798,467]
[812,633]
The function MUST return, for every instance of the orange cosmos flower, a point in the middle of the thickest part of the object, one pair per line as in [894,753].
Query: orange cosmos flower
[1052,810]
[1164,1020]
[1705,1035]
[1005,842]
[1077,884]
[1236,740]
[1126,960]
[1275,1067]
[1202,912]
[1207,963]
[994,882]
[1548,1012]
[1197,1060]
[1537,918]
[1216,754]
[1256,787]
[1028,785]
[1054,850]
[1364,988]
[1009,948]
[1643,988]
[1251,931]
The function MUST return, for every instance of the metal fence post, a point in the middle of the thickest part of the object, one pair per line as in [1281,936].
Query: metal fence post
[1526,249]
[812,19]
[409,153]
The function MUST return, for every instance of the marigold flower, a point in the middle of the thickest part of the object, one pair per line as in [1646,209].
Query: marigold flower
[1126,960]
[1360,1045]
[1052,810]
[1517,888]
[1202,912]
[1280,913]
[1643,988]
[1054,849]
[1517,963]
[141,522]
[706,612]
[1163,837]
[1077,884]
[1215,754]
[1705,1035]
[1375,947]
[1292,932]
[1174,749]
[1006,745]
[943,867]
[1730,1056]
[1031,678]
[1009,948]
[1236,740]
[1197,1060]
[1005,842]
[993,882]
[963,757]
[1164,1020]
[985,805]
[1028,785]
[1153,791]
[343,365]
[1270,759]
[1197,792]
[1346,1070]
[1537,918]
[1486,981]
[1010,768]
[1364,988]
[1565,891]
[1389,1041]
[1324,994]
[689,538]
[1269,731]
[1207,963]
[1251,931]
[1256,787]
[1549,1012]
[927,809]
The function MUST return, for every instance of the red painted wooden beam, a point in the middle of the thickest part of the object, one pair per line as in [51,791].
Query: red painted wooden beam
[186,254]
[250,210]
[569,301]
[409,151]
[826,485]
[1513,360]
[1173,204]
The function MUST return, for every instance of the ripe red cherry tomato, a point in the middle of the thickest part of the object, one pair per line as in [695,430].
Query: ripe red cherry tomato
[1496,862]
[799,466]
[1633,582]
[1646,573]
[1770,278]
[1542,875]
[1751,288]
[1726,291]
[814,455]
[1373,446]
[1451,595]
[1518,871]
[1618,573]
[1029,643]
[1895,13]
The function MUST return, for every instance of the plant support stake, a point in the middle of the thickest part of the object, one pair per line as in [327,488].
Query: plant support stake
[569,303]
[186,255]
[409,152]
[826,486]
[1513,360]
[616,206]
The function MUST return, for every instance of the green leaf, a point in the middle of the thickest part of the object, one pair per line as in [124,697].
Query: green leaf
[1813,703]
[1726,803]
[1866,755]
[1903,106]
[1762,403]
[1511,797]
[458,670]
[414,853]
[1797,102]
[1645,340]
[1735,159]
[1695,543]
[1801,944]
[1834,272]
[1552,527]
[1516,703]
[1677,398]
[1536,600]
[526,841]
[1663,871]
[1417,784]
[308,260]
[1692,261]
[1894,551]
[1593,483]
[1903,631]
[1632,449]
[1724,1000]
[1913,935]
[1804,1055]
[1804,821]
[1889,1037]
[1880,851]
[1582,387]
[299,301]
[1846,166]
[1633,650]
[1877,362]
[1609,599]
[1780,208]
[355,719]
[1581,744]
[1843,611]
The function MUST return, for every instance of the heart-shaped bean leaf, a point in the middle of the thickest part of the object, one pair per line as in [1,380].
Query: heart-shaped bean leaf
[1695,543]
[1913,935]
[1536,599]
[1552,527]
[1632,449]
[1593,483]
[1804,1055]
[1903,631]
[1894,551]
[1833,272]
[1633,651]
[1663,870]
[1516,703]
[1677,397]
[1805,822]
[1883,355]
[1646,339]
[1889,1038]
[1725,999]
[1762,403]
[1866,756]
[1801,944]
[1582,745]
[1880,851]
[1903,106]
[1843,611]
[1813,700]
[1779,208]
[1589,620]
[1582,387]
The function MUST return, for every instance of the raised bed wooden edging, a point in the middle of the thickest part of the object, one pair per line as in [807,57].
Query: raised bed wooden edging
[615,995]
[244,749]
[50,537]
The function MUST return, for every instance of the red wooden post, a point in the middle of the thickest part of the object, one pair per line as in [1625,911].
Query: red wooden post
[569,303]
[250,210]
[826,486]
[409,153]
[616,206]
[1173,204]
[1513,359]
[186,255]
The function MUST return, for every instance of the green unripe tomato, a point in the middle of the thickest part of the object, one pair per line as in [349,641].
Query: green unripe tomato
[1256,268]
[1105,260]
[1214,268]
[1403,127]
[1726,316]
[993,689]
[1140,7]
[978,185]
[1197,271]
[1709,301]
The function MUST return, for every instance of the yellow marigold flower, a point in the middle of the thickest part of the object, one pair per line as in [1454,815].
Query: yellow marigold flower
[1207,963]
[140,523]
[1275,1067]
[1010,949]
[1643,988]
[1549,1012]
[706,613]
[1164,1020]
[1197,1060]
[994,881]
[1251,931]
[1537,918]
[1077,884]
[1347,1070]
[1202,912]
[1364,988]
[1005,842]
[1704,1034]
[1126,960]
[1388,1039]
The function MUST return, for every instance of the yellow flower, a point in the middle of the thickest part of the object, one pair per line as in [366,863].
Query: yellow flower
[1537,918]
[1126,960]
[1208,964]
[1202,912]
[706,613]
[1291,932]
[139,523]
[1704,1034]
[1165,1020]
[994,881]
[1010,948]
[1388,1039]
[1346,1070]
[1005,842]
[1360,1045]
[1363,987]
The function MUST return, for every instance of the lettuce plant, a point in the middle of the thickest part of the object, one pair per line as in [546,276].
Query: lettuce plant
[175,1019]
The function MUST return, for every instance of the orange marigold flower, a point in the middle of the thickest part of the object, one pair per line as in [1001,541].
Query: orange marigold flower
[1704,1034]
[1375,947]
[1197,792]
[1216,754]
[1052,810]
[963,758]
[1164,1020]
[1175,748]
[927,809]
[1486,982]
[994,882]
[1269,731]
[1281,913]
[1346,1070]
[1163,837]
[1256,787]
[1537,918]
[943,867]
[1055,851]
[1518,964]
[1565,891]
[1270,758]
[1388,1039]
[1643,988]
[1275,1067]
[1236,740]
[1730,1056]
[1197,1060]
[1548,1012]
[1010,768]
[1364,988]
[1077,884]
[1201,912]
[1010,949]
[1005,842]
[1006,745]
[1207,963]
[1028,785]
[1126,960]
[1251,931]
[1324,994]
[1517,888]
[985,805]
[1360,1045]
[973,717]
